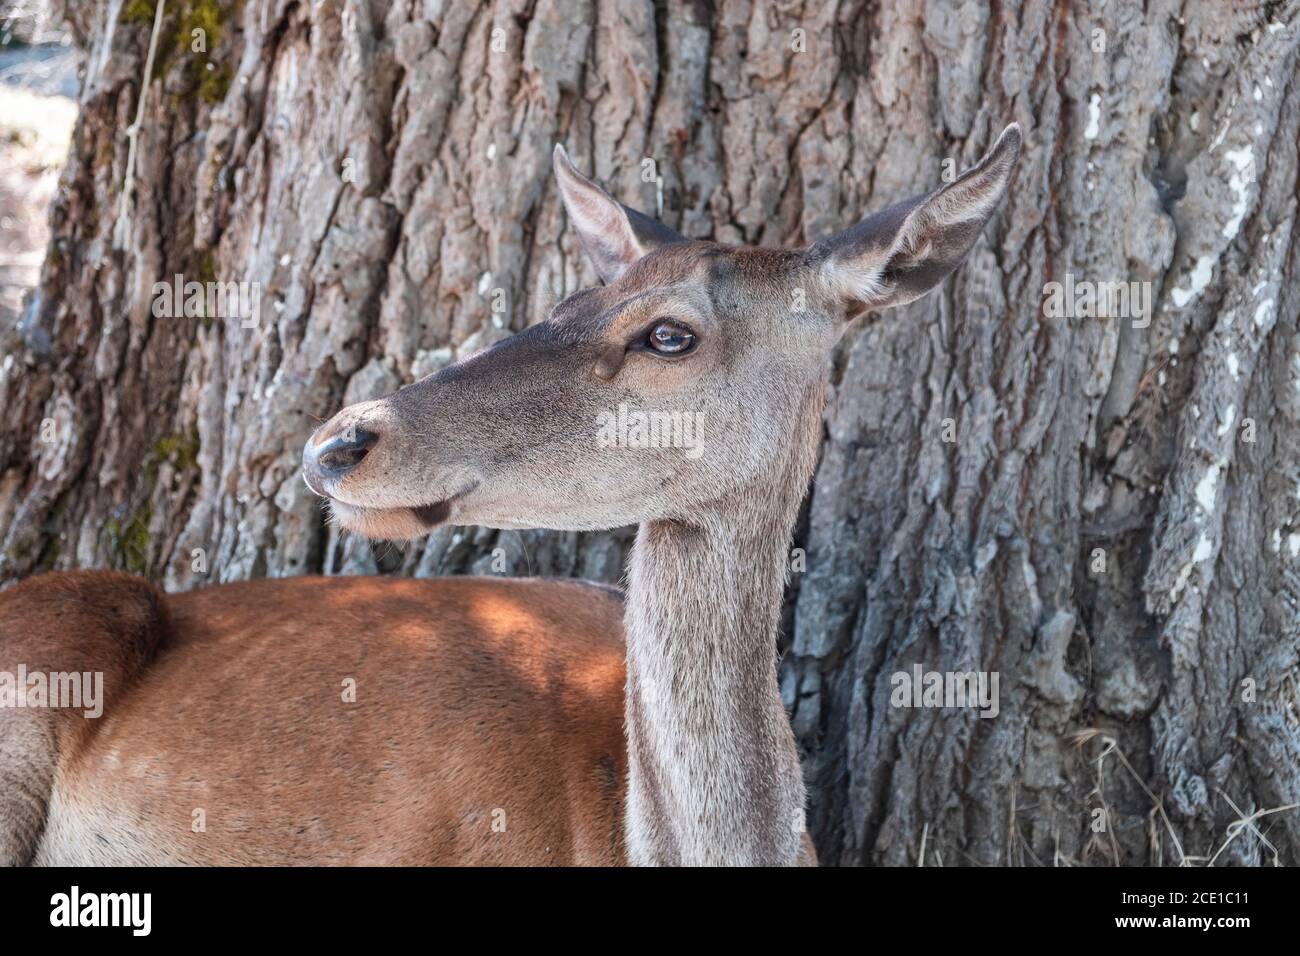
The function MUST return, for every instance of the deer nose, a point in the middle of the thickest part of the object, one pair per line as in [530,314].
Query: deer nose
[340,454]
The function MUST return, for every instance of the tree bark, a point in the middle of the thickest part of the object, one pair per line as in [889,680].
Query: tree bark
[1104,512]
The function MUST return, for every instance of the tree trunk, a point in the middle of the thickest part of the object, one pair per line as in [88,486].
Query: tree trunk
[1103,511]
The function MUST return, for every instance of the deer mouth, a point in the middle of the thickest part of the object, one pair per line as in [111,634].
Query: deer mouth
[393,523]
[390,523]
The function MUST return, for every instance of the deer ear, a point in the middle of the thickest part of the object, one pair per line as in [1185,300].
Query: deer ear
[902,253]
[613,235]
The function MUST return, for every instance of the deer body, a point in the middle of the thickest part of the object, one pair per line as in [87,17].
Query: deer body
[515,703]
[472,733]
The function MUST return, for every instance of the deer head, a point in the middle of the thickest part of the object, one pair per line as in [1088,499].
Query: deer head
[716,347]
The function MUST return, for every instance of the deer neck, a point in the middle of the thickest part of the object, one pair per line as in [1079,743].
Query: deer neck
[713,771]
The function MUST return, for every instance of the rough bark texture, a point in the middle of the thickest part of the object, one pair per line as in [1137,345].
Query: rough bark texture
[382,170]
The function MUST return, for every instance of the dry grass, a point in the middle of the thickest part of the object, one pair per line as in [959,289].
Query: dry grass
[1245,823]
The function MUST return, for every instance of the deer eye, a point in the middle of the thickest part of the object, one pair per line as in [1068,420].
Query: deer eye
[669,338]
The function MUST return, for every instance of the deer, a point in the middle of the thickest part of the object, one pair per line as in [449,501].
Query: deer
[497,721]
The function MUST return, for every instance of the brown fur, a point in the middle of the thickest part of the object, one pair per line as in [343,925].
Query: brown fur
[470,712]
[105,622]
